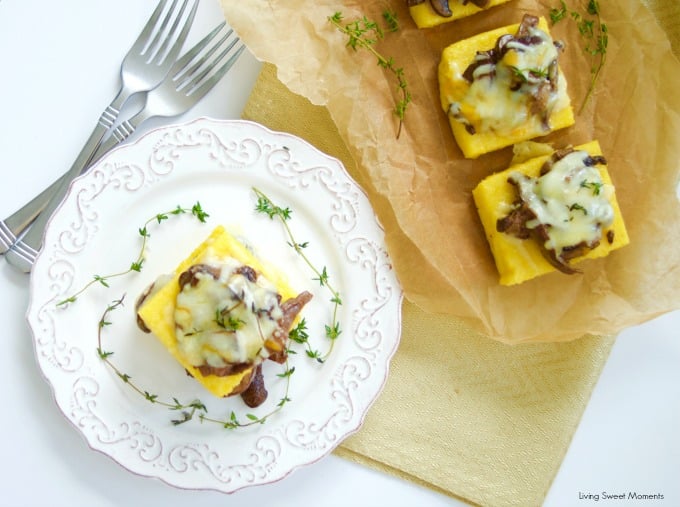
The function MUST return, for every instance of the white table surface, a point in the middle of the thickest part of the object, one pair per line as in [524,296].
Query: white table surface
[59,69]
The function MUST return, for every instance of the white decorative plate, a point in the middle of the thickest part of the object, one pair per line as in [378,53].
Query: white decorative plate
[96,232]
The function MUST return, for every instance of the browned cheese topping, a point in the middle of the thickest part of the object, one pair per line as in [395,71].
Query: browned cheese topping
[514,83]
[565,209]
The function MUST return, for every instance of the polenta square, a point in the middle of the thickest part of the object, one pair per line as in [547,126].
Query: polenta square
[429,13]
[504,86]
[537,221]
[159,311]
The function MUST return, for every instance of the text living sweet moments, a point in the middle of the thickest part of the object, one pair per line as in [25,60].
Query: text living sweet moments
[627,495]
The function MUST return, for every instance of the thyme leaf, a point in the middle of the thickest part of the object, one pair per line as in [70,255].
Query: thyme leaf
[557,14]
[228,322]
[526,73]
[391,20]
[594,186]
[577,207]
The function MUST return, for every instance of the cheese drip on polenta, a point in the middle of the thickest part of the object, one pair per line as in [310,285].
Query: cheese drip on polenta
[225,314]
[513,85]
[570,204]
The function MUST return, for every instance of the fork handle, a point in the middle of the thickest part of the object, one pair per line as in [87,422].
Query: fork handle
[121,133]
[12,227]
[22,253]
[17,222]
[118,135]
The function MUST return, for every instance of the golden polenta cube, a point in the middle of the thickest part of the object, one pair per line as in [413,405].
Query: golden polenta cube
[504,86]
[569,204]
[157,311]
[425,15]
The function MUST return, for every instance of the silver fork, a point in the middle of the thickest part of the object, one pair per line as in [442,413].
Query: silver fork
[147,62]
[190,79]
[192,76]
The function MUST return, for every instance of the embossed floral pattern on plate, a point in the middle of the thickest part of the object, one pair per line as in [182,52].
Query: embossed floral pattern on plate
[95,232]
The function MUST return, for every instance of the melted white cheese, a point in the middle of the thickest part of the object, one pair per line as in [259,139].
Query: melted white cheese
[570,199]
[490,104]
[226,320]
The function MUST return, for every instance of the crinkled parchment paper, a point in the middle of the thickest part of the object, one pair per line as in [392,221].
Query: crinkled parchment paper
[420,184]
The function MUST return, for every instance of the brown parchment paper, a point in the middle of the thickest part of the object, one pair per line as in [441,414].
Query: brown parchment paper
[420,184]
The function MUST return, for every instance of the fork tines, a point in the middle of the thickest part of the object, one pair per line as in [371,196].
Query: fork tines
[197,71]
[155,40]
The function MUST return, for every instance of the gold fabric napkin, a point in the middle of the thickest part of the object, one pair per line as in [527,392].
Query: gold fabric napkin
[460,413]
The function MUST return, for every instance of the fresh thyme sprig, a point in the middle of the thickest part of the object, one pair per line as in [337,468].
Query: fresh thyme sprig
[234,422]
[136,266]
[299,335]
[595,33]
[364,33]
[266,206]
[195,407]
